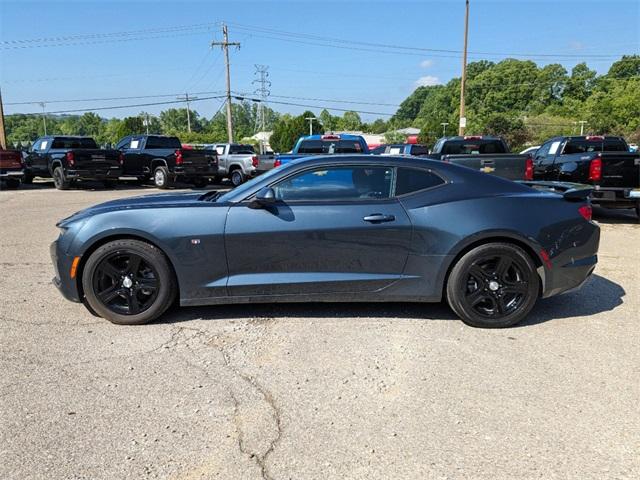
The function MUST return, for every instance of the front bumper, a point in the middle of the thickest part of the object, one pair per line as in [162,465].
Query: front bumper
[62,265]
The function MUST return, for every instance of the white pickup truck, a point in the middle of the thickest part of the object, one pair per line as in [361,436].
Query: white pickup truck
[238,162]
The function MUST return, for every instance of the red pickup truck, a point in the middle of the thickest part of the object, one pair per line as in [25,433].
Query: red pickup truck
[11,168]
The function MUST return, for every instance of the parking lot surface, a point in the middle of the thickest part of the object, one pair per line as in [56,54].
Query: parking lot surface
[312,391]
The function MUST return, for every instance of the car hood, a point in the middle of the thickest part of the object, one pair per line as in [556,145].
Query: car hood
[160,200]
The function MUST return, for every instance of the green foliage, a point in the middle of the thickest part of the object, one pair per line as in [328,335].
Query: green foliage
[511,128]
[129,126]
[628,66]
[288,129]
[394,137]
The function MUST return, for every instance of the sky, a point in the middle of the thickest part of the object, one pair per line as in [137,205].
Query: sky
[319,53]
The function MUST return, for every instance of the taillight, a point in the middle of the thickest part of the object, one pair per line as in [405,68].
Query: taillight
[255,161]
[121,158]
[277,163]
[528,168]
[178,157]
[586,211]
[71,158]
[595,169]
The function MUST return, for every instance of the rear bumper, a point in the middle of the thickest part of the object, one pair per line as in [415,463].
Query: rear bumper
[206,171]
[615,197]
[67,286]
[99,174]
[11,174]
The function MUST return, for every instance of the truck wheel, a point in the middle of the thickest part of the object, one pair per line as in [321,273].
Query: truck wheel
[237,177]
[60,180]
[161,177]
[200,182]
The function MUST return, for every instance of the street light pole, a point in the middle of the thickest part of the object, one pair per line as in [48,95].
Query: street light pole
[582,122]
[311,119]
[44,117]
[463,119]
[444,128]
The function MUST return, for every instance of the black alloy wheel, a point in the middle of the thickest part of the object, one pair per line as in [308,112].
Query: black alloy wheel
[128,282]
[494,285]
[125,283]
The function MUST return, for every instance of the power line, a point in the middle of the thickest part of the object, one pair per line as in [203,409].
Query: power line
[328,40]
[114,107]
[33,102]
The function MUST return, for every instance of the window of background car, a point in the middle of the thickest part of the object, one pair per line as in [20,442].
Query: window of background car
[123,144]
[466,147]
[409,180]
[419,150]
[241,150]
[329,146]
[337,183]
[163,142]
[542,154]
[70,142]
[36,146]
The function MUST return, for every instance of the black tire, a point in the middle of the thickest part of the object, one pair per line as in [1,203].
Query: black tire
[237,177]
[12,183]
[27,179]
[200,182]
[493,286]
[60,180]
[151,286]
[161,177]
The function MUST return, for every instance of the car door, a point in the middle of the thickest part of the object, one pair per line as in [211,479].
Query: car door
[543,160]
[332,229]
[136,157]
[33,161]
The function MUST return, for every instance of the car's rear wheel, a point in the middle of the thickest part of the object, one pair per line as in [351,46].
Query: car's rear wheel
[493,286]
[128,282]
[161,177]
[60,180]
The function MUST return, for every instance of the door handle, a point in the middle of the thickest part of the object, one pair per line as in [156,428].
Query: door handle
[379,218]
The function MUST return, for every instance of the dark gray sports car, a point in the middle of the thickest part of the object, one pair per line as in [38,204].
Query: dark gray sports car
[337,229]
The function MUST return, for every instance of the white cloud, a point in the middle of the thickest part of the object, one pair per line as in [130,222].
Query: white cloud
[427,81]
[426,63]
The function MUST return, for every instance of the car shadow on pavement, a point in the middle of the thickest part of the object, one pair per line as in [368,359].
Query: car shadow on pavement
[615,216]
[596,296]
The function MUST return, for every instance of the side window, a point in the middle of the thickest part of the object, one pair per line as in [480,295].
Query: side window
[219,149]
[337,183]
[409,180]
[123,144]
[36,146]
[547,152]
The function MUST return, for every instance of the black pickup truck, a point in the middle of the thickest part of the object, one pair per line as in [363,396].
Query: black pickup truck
[67,159]
[164,160]
[485,153]
[602,161]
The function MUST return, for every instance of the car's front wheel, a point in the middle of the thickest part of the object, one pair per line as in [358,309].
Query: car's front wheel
[128,282]
[493,286]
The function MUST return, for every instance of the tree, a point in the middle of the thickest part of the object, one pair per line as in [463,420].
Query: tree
[394,137]
[581,83]
[329,122]
[628,66]
[512,129]
[350,121]
[288,129]
[130,126]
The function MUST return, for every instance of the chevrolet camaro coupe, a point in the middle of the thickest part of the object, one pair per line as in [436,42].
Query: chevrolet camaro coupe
[342,228]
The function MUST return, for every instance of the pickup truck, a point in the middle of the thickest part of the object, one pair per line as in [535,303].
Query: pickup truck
[323,145]
[485,153]
[11,168]
[67,159]
[164,160]
[602,161]
[238,162]
[414,149]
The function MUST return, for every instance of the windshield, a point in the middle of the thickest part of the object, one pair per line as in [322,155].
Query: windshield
[246,187]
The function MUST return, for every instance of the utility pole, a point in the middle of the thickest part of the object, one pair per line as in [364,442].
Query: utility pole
[463,119]
[582,122]
[444,128]
[44,117]
[145,121]
[311,120]
[3,138]
[225,44]
[187,99]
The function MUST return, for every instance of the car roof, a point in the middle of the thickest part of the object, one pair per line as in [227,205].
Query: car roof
[342,136]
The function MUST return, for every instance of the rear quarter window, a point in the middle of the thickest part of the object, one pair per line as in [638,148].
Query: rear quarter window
[162,142]
[409,180]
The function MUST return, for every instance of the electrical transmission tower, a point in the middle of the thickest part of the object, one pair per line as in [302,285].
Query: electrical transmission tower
[262,74]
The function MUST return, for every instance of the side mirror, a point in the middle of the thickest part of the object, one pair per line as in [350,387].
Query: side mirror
[264,197]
